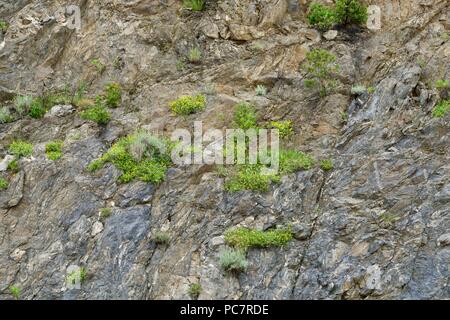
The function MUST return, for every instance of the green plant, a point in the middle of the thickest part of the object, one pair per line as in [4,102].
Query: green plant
[13,166]
[344,116]
[3,25]
[284,128]
[3,184]
[37,109]
[233,260]
[15,292]
[161,237]
[105,213]
[5,115]
[292,161]
[441,84]
[350,11]
[77,275]
[320,66]
[260,90]
[245,116]
[22,104]
[187,105]
[54,150]
[20,149]
[97,113]
[358,90]
[249,177]
[326,164]
[98,65]
[194,5]
[441,109]
[148,164]
[243,238]
[370,90]
[194,55]
[321,17]
[180,65]
[194,290]
[113,95]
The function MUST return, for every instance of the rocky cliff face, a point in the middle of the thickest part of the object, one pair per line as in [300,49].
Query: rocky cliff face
[376,226]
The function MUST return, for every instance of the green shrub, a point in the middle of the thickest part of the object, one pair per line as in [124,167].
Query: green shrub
[284,128]
[21,149]
[194,5]
[350,11]
[326,164]
[441,84]
[244,238]
[245,116]
[161,237]
[321,17]
[441,109]
[105,213]
[5,115]
[22,104]
[187,105]
[3,184]
[54,150]
[249,177]
[194,290]
[233,260]
[97,113]
[13,166]
[320,66]
[151,166]
[3,25]
[260,90]
[77,275]
[113,95]
[98,65]
[370,90]
[358,90]
[292,161]
[37,109]
[15,292]
[194,55]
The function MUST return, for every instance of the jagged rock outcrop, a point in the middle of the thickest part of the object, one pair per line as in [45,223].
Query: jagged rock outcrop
[375,227]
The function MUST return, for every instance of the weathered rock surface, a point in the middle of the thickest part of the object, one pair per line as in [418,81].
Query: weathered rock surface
[374,227]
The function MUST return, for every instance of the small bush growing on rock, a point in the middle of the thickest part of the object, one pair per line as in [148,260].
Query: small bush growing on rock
[371,90]
[98,65]
[284,128]
[97,113]
[15,292]
[194,55]
[37,108]
[441,109]
[441,84]
[244,238]
[161,237]
[3,25]
[77,275]
[5,115]
[326,164]
[187,105]
[358,90]
[13,166]
[113,95]
[260,90]
[321,17]
[105,213]
[194,5]
[3,184]
[321,66]
[194,290]
[22,104]
[249,177]
[350,11]
[292,161]
[233,260]
[54,150]
[245,116]
[20,149]
[150,167]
